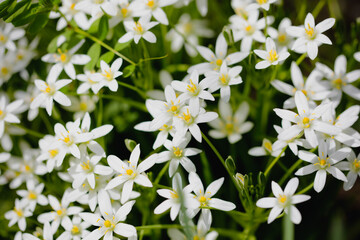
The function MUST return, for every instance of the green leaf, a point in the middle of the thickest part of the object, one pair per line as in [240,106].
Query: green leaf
[106,57]
[39,22]
[100,27]
[121,46]
[128,71]
[230,165]
[6,7]
[130,144]
[19,9]
[94,54]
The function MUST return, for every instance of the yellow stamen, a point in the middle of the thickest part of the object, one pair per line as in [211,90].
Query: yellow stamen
[309,31]
[27,168]
[129,172]
[4,70]
[150,3]
[124,12]
[282,199]
[261,1]
[60,212]
[268,146]
[75,230]
[202,200]
[338,83]
[138,28]
[229,127]
[219,62]
[18,212]
[177,151]
[306,120]
[248,28]
[32,195]
[186,116]
[1,112]
[2,38]
[107,223]
[282,38]
[83,106]
[191,87]
[304,92]
[174,194]
[85,165]
[72,6]
[273,55]
[108,74]
[53,152]
[224,79]
[356,164]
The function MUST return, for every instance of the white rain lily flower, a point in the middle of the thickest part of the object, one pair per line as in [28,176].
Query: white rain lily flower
[231,125]
[307,120]
[310,36]
[130,172]
[88,82]
[189,119]
[283,40]
[205,197]
[18,214]
[154,8]
[344,121]
[8,34]
[68,137]
[139,29]
[312,88]
[66,60]
[249,30]
[96,8]
[353,166]
[61,212]
[323,163]
[177,153]
[45,234]
[76,229]
[193,90]
[284,200]
[109,221]
[215,60]
[264,4]
[33,195]
[339,80]
[7,113]
[270,56]
[175,198]
[265,149]
[50,91]
[186,33]
[223,80]
[108,75]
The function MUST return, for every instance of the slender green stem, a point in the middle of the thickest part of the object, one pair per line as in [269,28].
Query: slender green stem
[100,112]
[48,125]
[162,186]
[266,22]
[271,165]
[56,115]
[301,58]
[158,226]
[222,161]
[318,8]
[29,131]
[140,92]
[162,172]
[132,103]
[307,188]
[288,227]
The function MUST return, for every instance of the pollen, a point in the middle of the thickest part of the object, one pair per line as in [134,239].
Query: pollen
[273,56]
[75,230]
[174,194]
[2,38]
[85,165]
[72,6]
[107,223]
[53,152]
[27,168]
[150,3]
[202,200]
[18,212]
[219,62]
[356,164]
[309,31]
[186,116]
[191,87]
[282,199]
[248,28]
[282,38]
[305,120]
[338,83]
[304,92]
[124,12]
[224,79]
[60,212]
[129,172]
[83,106]
[322,162]
[261,1]
[229,127]
[1,112]
[107,74]
[177,151]
[63,57]
[138,28]
[32,195]
[268,146]
[4,70]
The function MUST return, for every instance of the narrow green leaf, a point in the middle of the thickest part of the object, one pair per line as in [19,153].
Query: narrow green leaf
[39,22]
[130,144]
[128,71]
[230,165]
[121,46]
[19,9]
[94,53]
[103,27]
[106,57]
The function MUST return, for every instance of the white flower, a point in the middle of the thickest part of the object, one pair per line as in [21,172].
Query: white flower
[270,56]
[178,153]
[108,75]
[163,134]
[139,29]
[88,81]
[66,60]
[357,56]
[265,149]
[215,60]
[283,40]
[310,37]
[69,12]
[4,156]
[264,4]
[96,8]
[50,91]
[82,105]
[231,126]
[46,234]
[205,197]
[61,212]
[353,166]
[8,33]
[53,154]
[28,96]
[33,195]
[339,80]
[328,156]
[130,172]
[175,198]
[154,7]
[223,80]
[312,88]
[7,113]
[75,229]
[307,120]
[109,221]
[18,214]
[284,200]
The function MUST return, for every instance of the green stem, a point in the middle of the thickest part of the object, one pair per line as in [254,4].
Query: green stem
[162,186]
[307,188]
[301,58]
[288,227]
[318,8]
[159,226]
[140,92]
[48,125]
[100,112]
[29,131]
[56,115]
[271,165]
[162,172]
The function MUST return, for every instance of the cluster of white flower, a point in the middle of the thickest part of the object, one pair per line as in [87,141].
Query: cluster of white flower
[102,189]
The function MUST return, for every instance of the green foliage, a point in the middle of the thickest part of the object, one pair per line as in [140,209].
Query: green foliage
[93,52]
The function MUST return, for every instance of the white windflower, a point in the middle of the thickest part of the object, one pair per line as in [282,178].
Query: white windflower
[7,113]
[177,153]
[215,60]
[231,125]
[66,60]
[307,120]
[139,29]
[270,56]
[284,200]
[109,221]
[310,36]
[8,34]
[339,80]
[265,149]
[130,172]
[353,166]
[322,164]
[33,195]
[283,40]
[50,91]
[108,75]
[18,214]
[61,212]
[205,197]
[223,79]
[312,88]
[76,229]
[175,198]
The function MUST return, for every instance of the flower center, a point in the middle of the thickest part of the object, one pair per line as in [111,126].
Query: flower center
[124,12]
[322,163]
[129,172]
[192,87]
[174,194]
[196,237]
[268,146]
[177,151]
[282,199]
[229,128]
[309,31]
[108,75]
[138,28]
[85,165]
[203,201]
[273,56]
[75,230]
[356,164]
[282,38]
[150,3]
[83,106]
[186,116]
[27,168]
[338,83]
[166,127]
[224,79]
[107,223]
[4,70]
[219,62]
[99,1]
[173,108]
[1,112]
[32,195]
[61,212]
[261,1]
[18,212]
[53,152]
[2,38]
[72,6]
